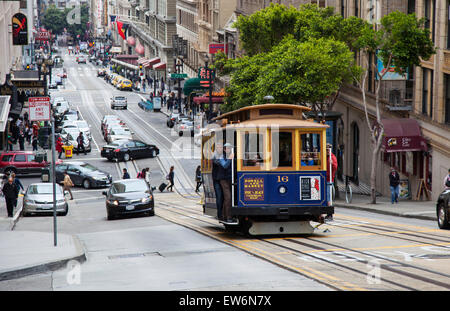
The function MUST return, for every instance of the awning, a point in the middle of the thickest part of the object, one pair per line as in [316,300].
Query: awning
[152,62]
[193,85]
[159,66]
[205,99]
[142,60]
[128,65]
[4,111]
[401,135]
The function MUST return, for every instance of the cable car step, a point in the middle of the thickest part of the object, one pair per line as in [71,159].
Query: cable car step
[230,223]
[282,227]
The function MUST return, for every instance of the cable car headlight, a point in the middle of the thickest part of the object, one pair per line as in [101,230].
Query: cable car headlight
[282,190]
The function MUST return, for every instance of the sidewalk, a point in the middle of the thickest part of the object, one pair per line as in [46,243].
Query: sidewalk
[425,210]
[26,252]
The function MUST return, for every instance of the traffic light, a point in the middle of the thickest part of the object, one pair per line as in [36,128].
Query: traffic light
[28,67]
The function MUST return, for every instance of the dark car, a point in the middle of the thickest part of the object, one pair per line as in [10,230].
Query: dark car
[129,196]
[129,149]
[83,174]
[443,210]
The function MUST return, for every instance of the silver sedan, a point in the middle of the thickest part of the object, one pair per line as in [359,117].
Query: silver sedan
[39,199]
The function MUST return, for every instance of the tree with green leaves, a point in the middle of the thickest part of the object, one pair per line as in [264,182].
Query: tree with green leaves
[399,41]
[285,48]
[54,20]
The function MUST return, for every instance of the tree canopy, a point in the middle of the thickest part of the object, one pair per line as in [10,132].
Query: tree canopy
[56,20]
[299,56]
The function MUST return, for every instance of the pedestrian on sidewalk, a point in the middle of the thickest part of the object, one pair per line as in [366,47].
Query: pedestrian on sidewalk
[447,181]
[125,174]
[59,146]
[170,177]
[67,183]
[394,181]
[34,143]
[11,193]
[141,174]
[80,141]
[330,184]
[198,178]
[10,143]
[17,182]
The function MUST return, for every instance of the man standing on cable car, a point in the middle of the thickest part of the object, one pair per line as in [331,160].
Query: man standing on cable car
[225,181]
[329,183]
[216,171]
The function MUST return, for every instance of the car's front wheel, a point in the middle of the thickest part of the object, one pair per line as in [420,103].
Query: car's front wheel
[443,216]
[86,184]
[126,157]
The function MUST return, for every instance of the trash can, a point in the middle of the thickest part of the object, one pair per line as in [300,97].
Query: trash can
[45,174]
[68,150]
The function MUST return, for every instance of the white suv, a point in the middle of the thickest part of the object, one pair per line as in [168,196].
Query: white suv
[119,101]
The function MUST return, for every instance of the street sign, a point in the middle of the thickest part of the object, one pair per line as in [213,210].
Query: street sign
[39,108]
[178,75]
[215,47]
[43,36]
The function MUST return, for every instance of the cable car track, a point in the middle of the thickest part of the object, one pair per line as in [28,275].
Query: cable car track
[196,218]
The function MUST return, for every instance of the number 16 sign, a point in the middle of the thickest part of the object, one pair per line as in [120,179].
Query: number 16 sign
[39,108]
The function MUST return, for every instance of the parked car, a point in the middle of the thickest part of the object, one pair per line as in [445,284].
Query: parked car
[119,101]
[84,127]
[112,125]
[83,174]
[81,60]
[101,72]
[129,149]
[443,210]
[125,85]
[73,131]
[108,117]
[22,162]
[171,119]
[39,199]
[119,133]
[71,139]
[129,196]
[71,115]
[184,127]
[58,80]
[66,125]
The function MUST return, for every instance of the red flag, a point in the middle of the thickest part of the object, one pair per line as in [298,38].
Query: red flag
[120,29]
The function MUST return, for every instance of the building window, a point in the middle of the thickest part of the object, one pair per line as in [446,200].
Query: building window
[447,98]
[343,8]
[448,24]
[430,14]
[411,6]
[357,8]
[427,92]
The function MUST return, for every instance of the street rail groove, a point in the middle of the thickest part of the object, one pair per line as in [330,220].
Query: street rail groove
[393,277]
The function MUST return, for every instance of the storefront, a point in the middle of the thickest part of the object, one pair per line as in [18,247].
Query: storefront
[405,149]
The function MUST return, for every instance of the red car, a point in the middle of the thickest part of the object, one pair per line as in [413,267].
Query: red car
[23,162]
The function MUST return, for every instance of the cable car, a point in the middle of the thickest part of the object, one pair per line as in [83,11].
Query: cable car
[278,169]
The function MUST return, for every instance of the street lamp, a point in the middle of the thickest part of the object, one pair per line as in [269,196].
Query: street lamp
[169,78]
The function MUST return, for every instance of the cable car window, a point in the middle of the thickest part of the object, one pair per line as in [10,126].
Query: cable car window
[253,149]
[282,158]
[310,149]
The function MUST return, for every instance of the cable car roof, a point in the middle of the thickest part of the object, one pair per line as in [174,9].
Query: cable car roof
[264,111]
